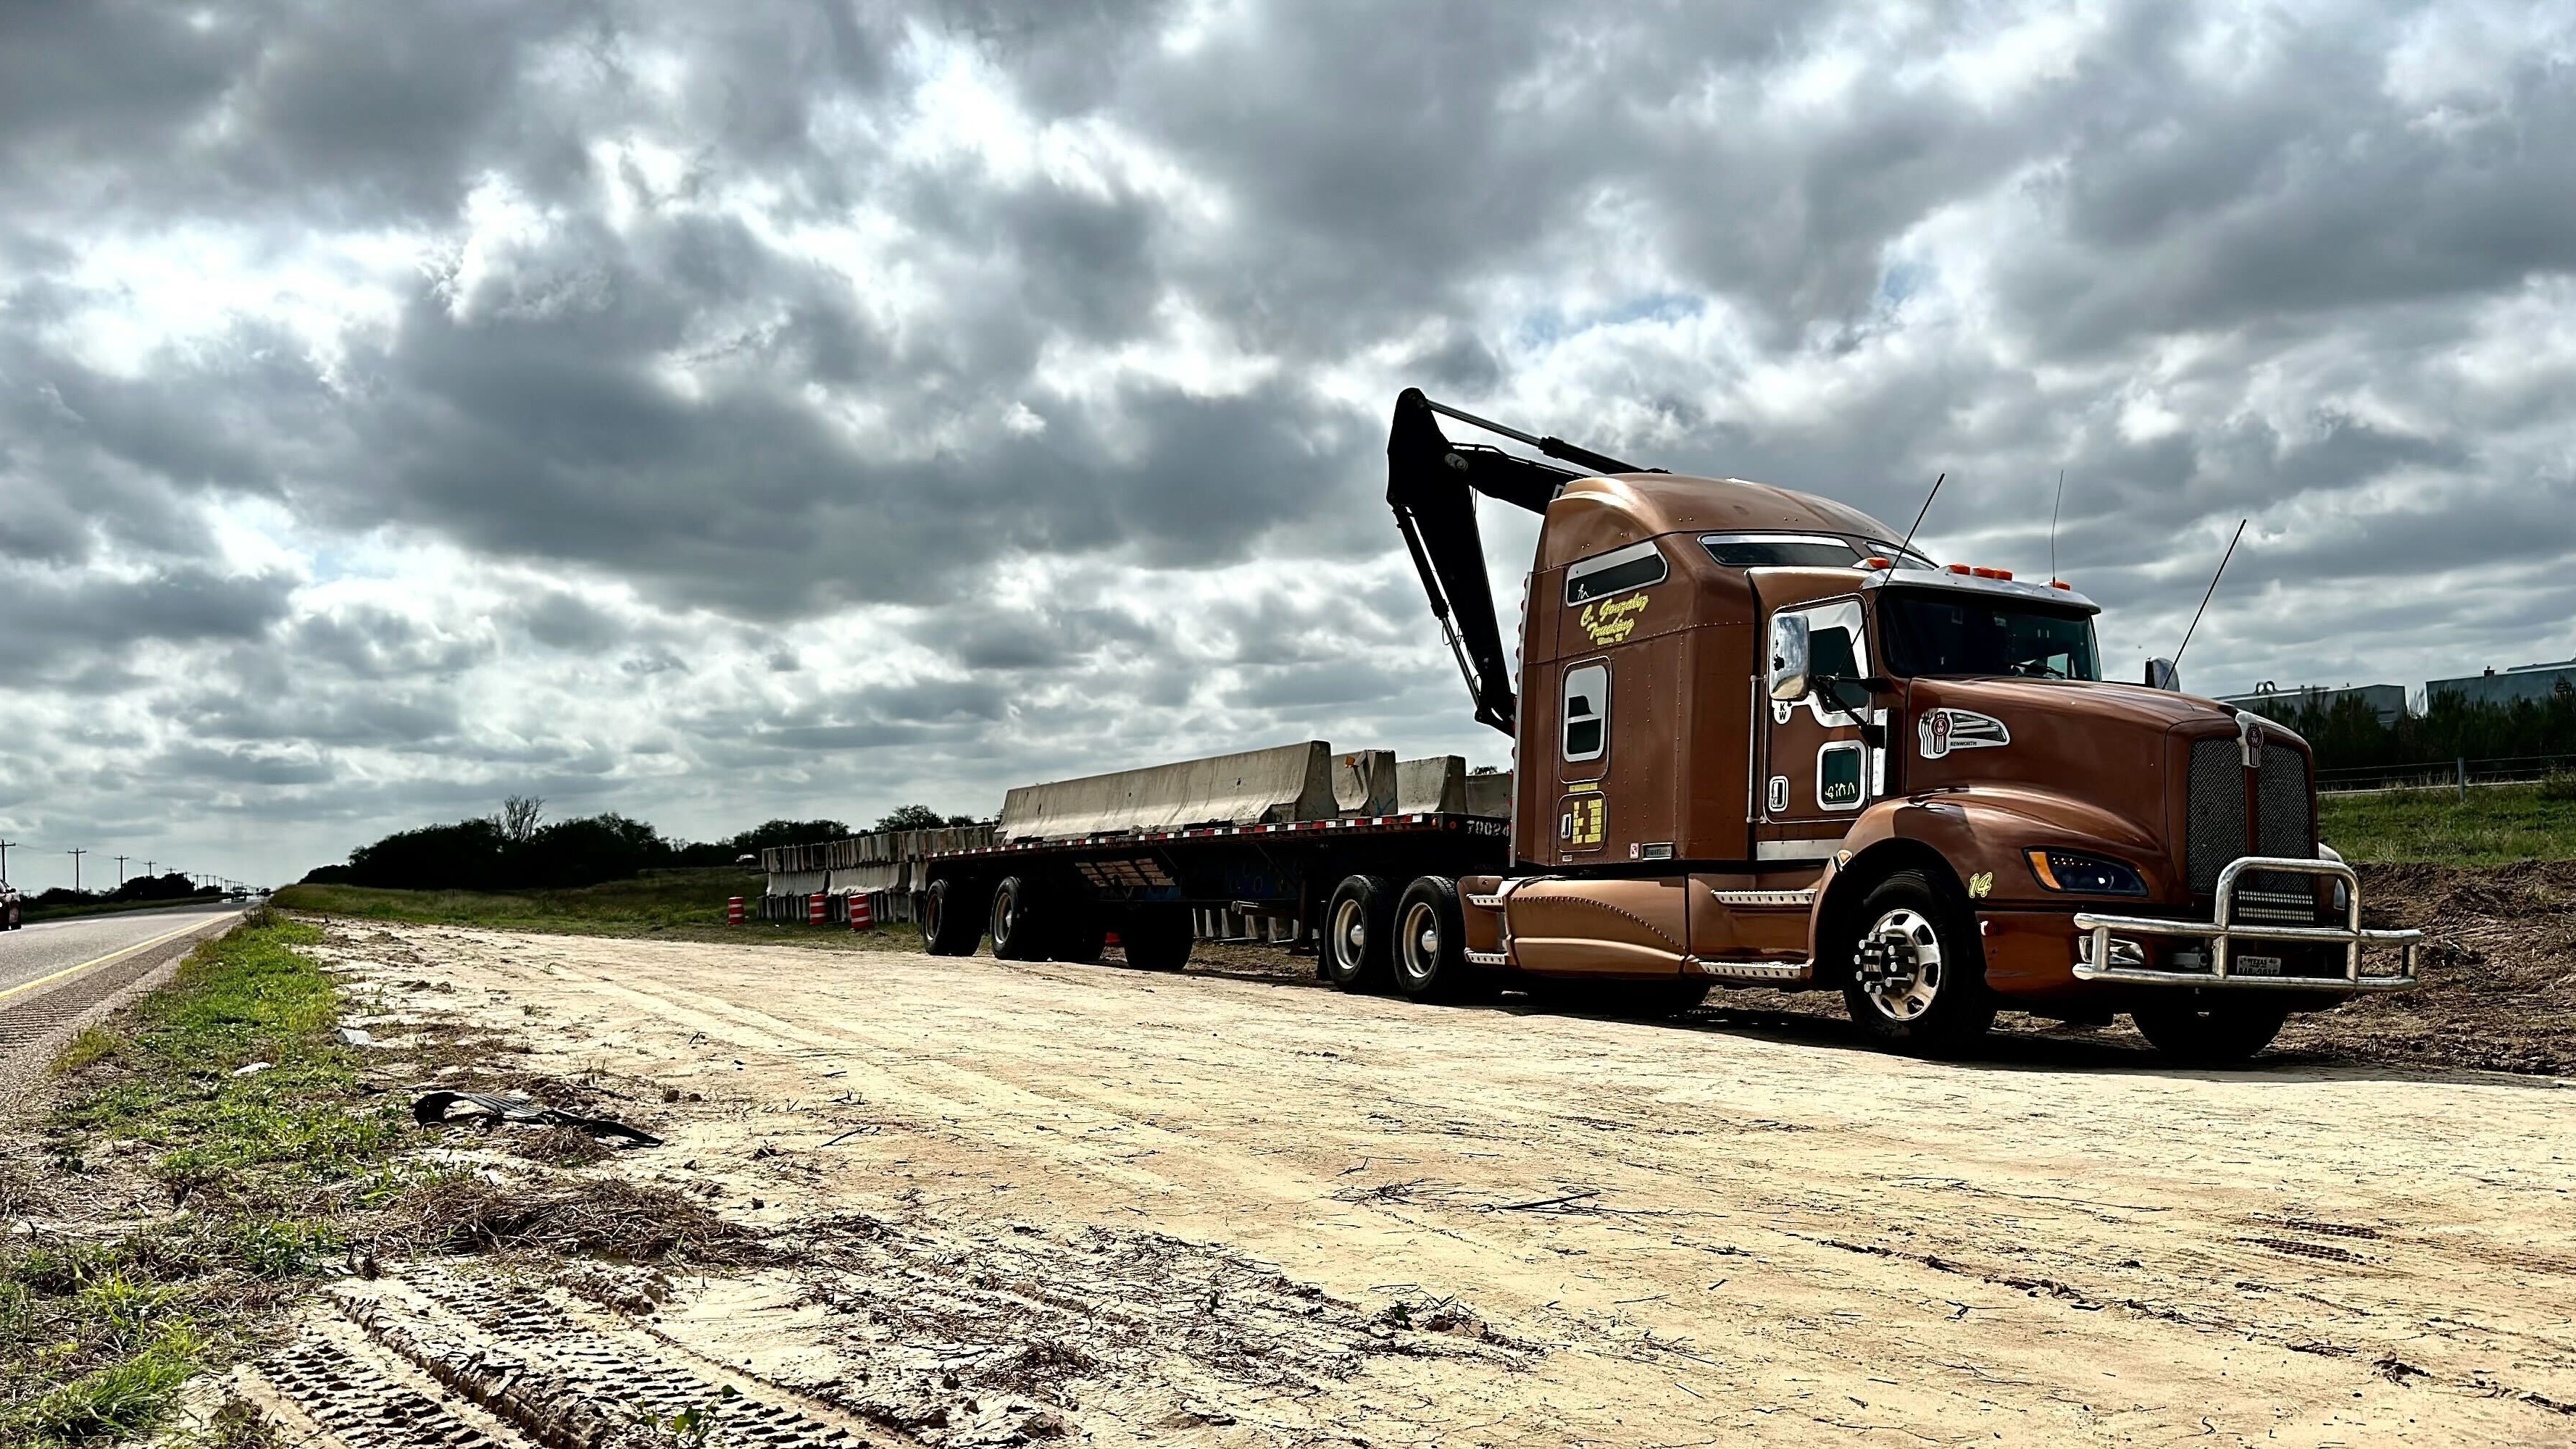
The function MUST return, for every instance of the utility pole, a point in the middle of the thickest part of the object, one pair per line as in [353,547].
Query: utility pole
[4,858]
[76,855]
[120,870]
[147,866]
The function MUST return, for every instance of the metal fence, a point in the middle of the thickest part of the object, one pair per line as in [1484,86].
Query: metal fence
[2454,774]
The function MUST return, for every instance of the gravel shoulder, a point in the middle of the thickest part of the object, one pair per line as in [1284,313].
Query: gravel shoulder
[1492,1225]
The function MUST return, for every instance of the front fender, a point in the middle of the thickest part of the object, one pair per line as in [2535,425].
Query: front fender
[1974,838]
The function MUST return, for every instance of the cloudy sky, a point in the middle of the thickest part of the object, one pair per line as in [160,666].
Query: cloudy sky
[718,411]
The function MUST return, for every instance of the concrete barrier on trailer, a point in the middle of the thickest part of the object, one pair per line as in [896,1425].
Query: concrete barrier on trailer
[1257,787]
[1364,783]
[1441,785]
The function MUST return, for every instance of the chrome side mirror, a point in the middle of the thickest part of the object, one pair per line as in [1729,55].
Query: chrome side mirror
[1788,675]
[2162,674]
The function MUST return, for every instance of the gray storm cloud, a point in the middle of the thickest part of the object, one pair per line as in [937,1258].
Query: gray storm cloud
[723,411]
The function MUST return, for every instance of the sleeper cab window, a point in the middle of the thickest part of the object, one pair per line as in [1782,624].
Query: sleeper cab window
[1616,572]
[1587,711]
[1779,550]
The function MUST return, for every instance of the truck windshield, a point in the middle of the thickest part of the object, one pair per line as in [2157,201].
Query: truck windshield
[1935,633]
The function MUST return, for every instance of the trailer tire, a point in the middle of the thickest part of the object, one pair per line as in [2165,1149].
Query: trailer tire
[2210,1035]
[1156,938]
[1359,933]
[1430,956]
[1082,935]
[1018,921]
[946,930]
[1926,991]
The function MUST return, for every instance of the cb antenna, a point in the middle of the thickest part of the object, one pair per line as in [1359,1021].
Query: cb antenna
[2213,588]
[1918,514]
[2052,524]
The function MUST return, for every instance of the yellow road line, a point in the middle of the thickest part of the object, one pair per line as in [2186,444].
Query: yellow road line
[95,961]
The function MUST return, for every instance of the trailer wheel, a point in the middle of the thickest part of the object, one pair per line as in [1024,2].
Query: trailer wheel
[946,930]
[1156,938]
[1359,933]
[1918,980]
[1083,935]
[1431,944]
[1016,921]
[2220,1034]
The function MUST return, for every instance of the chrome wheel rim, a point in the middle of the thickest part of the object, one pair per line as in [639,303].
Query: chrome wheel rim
[1005,912]
[1420,940]
[1350,936]
[1899,965]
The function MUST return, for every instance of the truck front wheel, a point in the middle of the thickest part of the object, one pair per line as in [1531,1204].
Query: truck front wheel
[2210,1036]
[1918,981]
[946,930]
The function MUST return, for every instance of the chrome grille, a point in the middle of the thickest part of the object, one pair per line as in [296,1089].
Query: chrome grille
[2214,817]
[2284,824]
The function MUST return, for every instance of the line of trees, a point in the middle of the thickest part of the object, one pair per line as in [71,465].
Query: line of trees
[516,848]
[2349,734]
[167,886]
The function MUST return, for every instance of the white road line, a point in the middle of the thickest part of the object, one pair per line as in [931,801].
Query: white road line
[97,961]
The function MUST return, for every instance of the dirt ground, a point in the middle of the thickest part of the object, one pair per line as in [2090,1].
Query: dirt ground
[1016,1203]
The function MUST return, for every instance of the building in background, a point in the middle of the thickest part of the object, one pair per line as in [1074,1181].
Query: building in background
[2504,686]
[2388,701]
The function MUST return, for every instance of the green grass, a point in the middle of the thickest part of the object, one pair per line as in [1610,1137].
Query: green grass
[654,902]
[2495,825]
[98,1333]
[685,901]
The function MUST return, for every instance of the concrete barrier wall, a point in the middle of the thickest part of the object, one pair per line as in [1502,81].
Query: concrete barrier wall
[1256,787]
[1364,783]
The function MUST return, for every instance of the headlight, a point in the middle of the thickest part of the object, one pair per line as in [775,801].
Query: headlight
[2080,874]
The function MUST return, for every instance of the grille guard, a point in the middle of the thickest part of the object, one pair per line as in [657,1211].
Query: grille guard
[2222,935]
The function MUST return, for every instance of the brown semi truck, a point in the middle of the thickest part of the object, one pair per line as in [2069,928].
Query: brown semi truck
[1759,742]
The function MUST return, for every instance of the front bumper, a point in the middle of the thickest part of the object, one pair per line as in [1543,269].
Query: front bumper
[2100,962]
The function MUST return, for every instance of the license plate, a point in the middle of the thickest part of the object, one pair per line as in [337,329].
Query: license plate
[2256,966]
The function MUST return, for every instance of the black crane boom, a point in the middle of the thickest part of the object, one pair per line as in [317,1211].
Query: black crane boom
[1430,483]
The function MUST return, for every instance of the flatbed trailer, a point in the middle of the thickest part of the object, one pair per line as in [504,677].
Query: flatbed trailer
[1061,899]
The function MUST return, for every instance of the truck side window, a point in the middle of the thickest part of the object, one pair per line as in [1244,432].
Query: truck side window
[1587,711]
[1616,572]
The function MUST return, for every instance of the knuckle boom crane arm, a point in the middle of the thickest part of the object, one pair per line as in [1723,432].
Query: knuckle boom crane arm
[1430,483]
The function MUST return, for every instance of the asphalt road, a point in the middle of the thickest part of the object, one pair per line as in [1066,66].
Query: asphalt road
[44,948]
[55,975]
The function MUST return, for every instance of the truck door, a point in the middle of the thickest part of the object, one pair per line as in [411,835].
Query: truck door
[1817,772]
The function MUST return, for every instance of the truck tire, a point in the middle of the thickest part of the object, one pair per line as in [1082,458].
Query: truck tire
[946,930]
[2211,1035]
[1359,933]
[1430,955]
[1156,939]
[1082,934]
[1918,979]
[1018,922]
